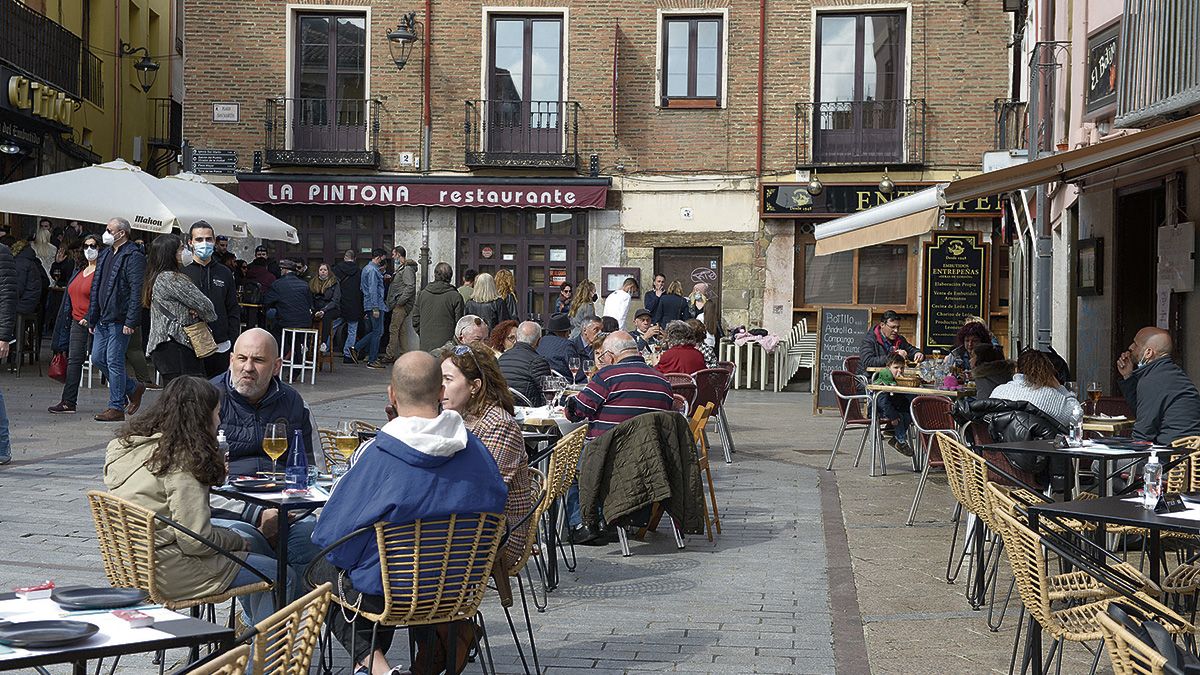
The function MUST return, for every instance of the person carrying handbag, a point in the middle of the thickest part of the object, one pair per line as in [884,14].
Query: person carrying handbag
[179,335]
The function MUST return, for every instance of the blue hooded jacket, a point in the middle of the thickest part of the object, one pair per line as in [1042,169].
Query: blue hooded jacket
[392,481]
[117,287]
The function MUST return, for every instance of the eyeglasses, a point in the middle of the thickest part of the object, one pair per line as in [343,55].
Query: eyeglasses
[461,350]
[94,246]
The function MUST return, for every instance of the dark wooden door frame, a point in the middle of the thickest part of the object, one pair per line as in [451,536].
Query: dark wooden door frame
[518,133]
[326,131]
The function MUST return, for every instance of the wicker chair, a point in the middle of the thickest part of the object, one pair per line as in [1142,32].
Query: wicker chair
[285,641]
[329,450]
[1074,623]
[560,475]
[232,662]
[930,414]
[433,571]
[852,404]
[531,551]
[712,386]
[684,385]
[699,420]
[1130,656]
[126,535]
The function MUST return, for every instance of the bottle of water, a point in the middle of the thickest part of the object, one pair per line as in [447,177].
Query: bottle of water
[223,447]
[1076,437]
[1152,481]
[296,474]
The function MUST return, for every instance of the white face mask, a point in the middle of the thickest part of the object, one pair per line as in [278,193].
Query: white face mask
[108,238]
[91,253]
[185,257]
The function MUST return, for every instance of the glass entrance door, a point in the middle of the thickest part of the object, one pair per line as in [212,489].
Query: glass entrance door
[525,85]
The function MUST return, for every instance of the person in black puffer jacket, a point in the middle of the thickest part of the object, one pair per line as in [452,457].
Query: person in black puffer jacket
[349,277]
[31,281]
[290,297]
[8,322]
[1014,422]
[523,367]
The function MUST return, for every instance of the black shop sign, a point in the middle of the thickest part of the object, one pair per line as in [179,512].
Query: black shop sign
[1102,50]
[838,336]
[792,200]
[955,286]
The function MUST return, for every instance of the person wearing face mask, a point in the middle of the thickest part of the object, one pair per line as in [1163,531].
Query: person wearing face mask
[1165,401]
[217,283]
[113,316]
[174,302]
[71,333]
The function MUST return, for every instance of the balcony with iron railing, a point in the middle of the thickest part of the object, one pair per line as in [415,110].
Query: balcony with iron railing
[167,118]
[863,133]
[1012,124]
[91,78]
[527,134]
[322,132]
[32,43]
[1159,65]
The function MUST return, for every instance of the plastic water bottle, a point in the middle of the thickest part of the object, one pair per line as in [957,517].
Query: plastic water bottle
[223,447]
[1151,481]
[1076,437]
[296,474]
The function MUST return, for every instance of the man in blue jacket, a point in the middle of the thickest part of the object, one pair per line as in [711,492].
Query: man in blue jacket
[114,315]
[423,464]
[373,307]
[557,349]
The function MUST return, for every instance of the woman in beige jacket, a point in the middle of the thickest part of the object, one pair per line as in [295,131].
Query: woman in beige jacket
[165,459]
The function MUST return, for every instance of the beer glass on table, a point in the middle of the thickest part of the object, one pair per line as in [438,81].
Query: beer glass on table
[345,440]
[275,442]
[1094,392]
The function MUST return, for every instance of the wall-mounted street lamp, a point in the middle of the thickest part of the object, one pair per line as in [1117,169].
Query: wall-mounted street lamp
[886,186]
[146,67]
[403,38]
[9,149]
[815,186]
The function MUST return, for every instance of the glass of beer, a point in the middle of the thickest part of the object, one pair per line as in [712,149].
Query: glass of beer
[345,439]
[275,443]
[1094,393]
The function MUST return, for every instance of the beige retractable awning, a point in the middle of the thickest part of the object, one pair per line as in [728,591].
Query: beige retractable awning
[1075,164]
[901,218]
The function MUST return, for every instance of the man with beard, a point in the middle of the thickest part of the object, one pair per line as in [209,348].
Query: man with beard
[253,396]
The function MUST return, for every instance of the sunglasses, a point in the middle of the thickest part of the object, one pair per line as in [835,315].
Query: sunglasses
[462,350]
[91,246]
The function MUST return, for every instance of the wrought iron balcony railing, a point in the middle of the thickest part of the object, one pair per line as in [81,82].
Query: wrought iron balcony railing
[37,45]
[322,132]
[167,117]
[91,78]
[843,133]
[1012,124]
[1159,64]
[522,133]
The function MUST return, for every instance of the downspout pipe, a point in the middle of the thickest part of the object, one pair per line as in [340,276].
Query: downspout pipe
[1043,246]
[426,131]
[762,58]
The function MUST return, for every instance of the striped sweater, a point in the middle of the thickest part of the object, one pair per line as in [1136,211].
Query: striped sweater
[618,392]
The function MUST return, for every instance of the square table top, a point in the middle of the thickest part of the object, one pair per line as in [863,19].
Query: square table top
[316,497]
[922,390]
[115,637]
[1124,510]
[1120,449]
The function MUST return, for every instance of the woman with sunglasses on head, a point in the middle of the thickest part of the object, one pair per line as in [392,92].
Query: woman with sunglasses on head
[71,331]
[475,389]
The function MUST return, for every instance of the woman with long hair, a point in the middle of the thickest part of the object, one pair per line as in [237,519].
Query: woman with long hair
[582,307]
[71,331]
[506,288]
[42,247]
[174,302]
[327,299]
[475,389]
[1037,383]
[165,459]
[503,337]
[485,302]
[971,334]
[672,306]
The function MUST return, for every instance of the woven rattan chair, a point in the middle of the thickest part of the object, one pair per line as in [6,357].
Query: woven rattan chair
[126,536]
[930,414]
[712,386]
[560,475]
[329,450]
[532,551]
[1130,656]
[699,420]
[285,640]
[1073,623]
[232,662]
[433,571]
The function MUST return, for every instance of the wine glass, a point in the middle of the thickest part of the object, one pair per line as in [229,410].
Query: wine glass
[275,444]
[345,440]
[574,364]
[1094,392]
[551,386]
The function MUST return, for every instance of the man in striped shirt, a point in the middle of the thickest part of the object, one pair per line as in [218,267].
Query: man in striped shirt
[624,387]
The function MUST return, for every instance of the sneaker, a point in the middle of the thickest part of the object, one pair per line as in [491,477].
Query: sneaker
[376,365]
[135,399]
[353,356]
[110,415]
[904,448]
[5,459]
[63,408]
[347,359]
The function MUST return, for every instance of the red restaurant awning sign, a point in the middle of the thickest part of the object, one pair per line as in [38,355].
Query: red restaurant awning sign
[562,196]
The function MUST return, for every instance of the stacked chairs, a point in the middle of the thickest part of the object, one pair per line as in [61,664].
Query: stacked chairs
[798,351]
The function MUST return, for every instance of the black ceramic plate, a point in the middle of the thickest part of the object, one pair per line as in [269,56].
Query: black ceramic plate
[45,634]
[97,598]
[257,484]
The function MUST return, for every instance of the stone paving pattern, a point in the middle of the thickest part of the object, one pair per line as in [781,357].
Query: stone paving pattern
[814,572]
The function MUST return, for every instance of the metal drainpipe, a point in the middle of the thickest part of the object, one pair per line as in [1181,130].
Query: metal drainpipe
[427,127]
[1043,245]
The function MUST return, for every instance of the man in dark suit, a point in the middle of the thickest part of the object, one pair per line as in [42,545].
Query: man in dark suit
[556,348]
[523,367]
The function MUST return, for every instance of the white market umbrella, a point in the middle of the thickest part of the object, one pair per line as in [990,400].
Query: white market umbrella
[260,223]
[96,194]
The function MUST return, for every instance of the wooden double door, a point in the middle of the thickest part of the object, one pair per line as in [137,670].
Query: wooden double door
[326,233]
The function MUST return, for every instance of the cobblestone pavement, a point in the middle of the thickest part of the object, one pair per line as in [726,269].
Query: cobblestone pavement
[814,571]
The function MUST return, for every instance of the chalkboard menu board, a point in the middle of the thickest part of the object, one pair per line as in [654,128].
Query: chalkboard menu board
[955,286]
[841,330]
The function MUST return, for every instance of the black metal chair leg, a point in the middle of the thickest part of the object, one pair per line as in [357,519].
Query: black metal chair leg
[540,566]
[1012,661]
[487,645]
[951,573]
[537,666]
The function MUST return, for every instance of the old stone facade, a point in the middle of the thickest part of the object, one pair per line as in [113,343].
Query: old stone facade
[684,171]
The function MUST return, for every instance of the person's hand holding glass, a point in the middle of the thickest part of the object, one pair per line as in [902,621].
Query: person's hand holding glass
[275,443]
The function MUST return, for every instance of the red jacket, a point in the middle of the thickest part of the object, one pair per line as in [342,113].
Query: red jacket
[681,359]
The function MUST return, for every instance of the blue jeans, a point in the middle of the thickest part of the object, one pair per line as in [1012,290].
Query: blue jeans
[5,443]
[301,551]
[371,339]
[351,334]
[897,407]
[257,606]
[108,354]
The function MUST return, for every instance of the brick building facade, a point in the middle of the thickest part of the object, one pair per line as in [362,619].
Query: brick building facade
[656,105]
